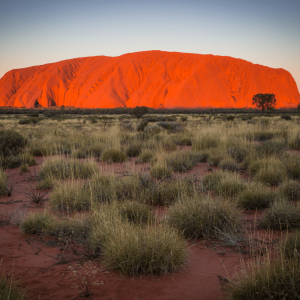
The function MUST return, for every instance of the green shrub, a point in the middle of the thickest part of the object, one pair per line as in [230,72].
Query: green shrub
[255,196]
[206,217]
[281,216]
[215,159]
[134,251]
[11,142]
[3,183]
[290,190]
[114,155]
[38,223]
[38,151]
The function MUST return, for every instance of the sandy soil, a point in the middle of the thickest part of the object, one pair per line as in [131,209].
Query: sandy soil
[39,264]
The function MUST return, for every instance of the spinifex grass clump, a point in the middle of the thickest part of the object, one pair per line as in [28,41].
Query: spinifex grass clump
[290,246]
[38,223]
[136,212]
[180,161]
[161,171]
[271,147]
[205,217]
[290,190]
[134,149]
[281,216]
[230,165]
[291,165]
[226,184]
[113,155]
[60,169]
[255,196]
[145,156]
[70,196]
[166,193]
[3,183]
[206,142]
[9,288]
[134,251]
[266,279]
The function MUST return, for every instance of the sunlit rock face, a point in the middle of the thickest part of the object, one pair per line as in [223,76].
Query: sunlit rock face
[152,78]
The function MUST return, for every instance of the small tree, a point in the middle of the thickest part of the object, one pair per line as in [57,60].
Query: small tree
[298,106]
[139,111]
[264,101]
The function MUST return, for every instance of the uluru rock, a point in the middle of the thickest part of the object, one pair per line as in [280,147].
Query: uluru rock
[150,78]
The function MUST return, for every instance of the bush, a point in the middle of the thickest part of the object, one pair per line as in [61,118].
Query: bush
[206,217]
[11,142]
[113,155]
[255,196]
[136,251]
[38,223]
[281,216]
[142,125]
[152,129]
[3,183]
[290,190]
[286,117]
[230,118]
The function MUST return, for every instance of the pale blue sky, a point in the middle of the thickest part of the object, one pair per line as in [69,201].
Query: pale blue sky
[34,32]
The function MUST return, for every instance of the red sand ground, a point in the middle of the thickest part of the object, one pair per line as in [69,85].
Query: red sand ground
[38,266]
[150,78]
